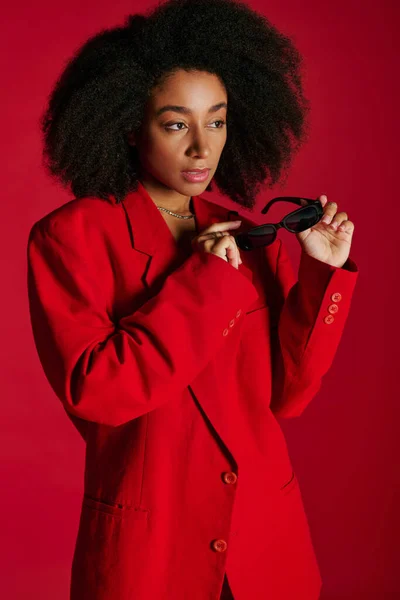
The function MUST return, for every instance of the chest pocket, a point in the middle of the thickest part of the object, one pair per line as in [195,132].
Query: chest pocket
[255,338]
[258,318]
[253,368]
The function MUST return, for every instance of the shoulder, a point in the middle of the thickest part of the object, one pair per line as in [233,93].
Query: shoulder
[74,217]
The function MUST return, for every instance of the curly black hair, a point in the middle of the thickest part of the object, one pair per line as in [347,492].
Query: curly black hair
[101,96]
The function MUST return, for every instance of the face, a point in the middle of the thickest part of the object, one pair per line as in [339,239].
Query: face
[190,134]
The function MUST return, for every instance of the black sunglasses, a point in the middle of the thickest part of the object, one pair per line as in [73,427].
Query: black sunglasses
[299,220]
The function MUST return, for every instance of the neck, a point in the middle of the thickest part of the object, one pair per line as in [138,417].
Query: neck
[167,198]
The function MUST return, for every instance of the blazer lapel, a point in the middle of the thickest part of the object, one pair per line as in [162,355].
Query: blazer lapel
[151,237]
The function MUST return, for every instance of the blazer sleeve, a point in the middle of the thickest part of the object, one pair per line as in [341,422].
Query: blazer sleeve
[111,373]
[310,316]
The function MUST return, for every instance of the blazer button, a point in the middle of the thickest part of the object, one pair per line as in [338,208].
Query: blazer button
[336,297]
[231,323]
[329,319]
[230,477]
[239,312]
[333,308]
[226,331]
[219,545]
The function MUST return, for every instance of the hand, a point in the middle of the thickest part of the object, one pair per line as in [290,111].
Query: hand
[330,239]
[217,240]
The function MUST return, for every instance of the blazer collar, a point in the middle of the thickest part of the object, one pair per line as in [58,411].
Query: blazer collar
[147,225]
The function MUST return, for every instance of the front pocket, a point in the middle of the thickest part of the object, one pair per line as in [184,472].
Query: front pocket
[111,545]
[111,508]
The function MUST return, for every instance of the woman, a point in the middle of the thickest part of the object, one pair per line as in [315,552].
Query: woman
[171,353]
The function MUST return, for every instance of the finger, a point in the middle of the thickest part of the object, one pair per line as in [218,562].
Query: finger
[225,247]
[222,226]
[239,260]
[323,198]
[232,251]
[204,237]
[338,220]
[233,245]
[232,256]
[212,235]
[347,227]
[329,212]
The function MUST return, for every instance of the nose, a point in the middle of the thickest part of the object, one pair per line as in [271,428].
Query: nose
[199,144]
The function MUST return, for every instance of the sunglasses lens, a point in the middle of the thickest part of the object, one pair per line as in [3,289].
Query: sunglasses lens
[303,219]
[256,238]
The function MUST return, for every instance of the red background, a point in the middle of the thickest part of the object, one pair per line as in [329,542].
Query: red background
[345,446]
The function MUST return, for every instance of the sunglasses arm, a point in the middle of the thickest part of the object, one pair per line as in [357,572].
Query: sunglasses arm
[292,199]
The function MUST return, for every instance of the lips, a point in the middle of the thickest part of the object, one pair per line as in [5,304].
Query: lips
[196,176]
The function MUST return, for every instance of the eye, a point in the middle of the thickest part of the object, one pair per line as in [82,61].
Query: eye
[169,127]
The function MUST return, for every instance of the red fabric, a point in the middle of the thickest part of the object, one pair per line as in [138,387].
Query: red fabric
[174,369]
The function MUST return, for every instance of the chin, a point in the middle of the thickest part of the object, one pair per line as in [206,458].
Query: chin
[195,189]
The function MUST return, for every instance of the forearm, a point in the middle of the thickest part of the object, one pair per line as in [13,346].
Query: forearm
[307,332]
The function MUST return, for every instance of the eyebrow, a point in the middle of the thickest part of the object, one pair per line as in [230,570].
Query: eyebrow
[187,111]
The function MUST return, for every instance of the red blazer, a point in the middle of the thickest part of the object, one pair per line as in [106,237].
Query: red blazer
[174,369]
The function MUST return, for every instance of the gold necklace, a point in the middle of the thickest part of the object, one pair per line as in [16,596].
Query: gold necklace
[175,214]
